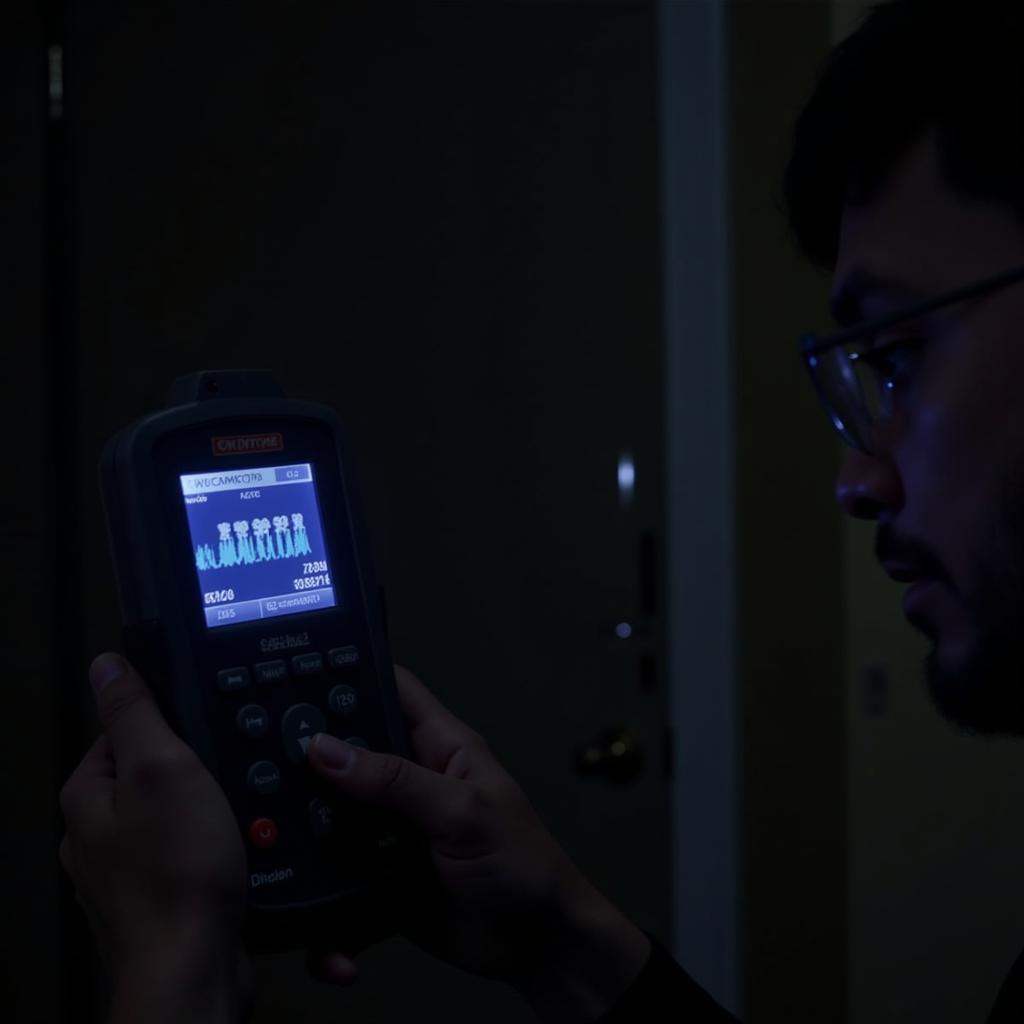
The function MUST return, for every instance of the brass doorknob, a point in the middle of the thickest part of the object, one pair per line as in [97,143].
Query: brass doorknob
[616,756]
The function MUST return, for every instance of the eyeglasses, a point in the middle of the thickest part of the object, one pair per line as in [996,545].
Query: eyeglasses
[855,384]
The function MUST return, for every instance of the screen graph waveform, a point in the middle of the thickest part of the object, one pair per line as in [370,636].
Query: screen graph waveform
[262,540]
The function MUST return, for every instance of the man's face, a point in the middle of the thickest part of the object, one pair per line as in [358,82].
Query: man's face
[947,483]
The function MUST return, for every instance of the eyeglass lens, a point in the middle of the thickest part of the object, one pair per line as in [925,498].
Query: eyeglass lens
[855,395]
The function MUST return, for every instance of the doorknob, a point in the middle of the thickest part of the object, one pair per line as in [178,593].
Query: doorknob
[616,755]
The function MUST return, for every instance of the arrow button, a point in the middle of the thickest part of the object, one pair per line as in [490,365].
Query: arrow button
[298,726]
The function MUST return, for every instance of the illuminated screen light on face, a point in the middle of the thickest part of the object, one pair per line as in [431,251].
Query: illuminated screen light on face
[257,543]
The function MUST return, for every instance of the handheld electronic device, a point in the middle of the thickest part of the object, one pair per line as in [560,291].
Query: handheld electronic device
[249,605]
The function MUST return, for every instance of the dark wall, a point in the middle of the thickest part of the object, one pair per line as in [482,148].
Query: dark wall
[29,760]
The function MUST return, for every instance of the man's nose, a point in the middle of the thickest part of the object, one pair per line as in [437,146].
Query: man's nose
[867,484]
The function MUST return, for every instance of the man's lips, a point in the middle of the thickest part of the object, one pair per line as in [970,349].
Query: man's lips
[903,572]
[921,585]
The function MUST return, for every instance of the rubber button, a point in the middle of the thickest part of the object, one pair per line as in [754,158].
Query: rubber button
[263,832]
[271,672]
[310,664]
[301,722]
[233,678]
[343,700]
[264,777]
[343,657]
[252,721]
[322,818]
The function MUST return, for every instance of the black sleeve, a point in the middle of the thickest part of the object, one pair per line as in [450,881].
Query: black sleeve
[663,991]
[1009,1005]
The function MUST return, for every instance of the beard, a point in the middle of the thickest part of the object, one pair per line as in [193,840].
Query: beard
[984,693]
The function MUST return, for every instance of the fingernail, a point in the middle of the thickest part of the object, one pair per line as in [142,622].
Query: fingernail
[334,753]
[105,669]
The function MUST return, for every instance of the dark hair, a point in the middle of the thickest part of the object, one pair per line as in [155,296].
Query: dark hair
[911,66]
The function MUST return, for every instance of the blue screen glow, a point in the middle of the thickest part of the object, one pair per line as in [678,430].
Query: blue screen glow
[257,543]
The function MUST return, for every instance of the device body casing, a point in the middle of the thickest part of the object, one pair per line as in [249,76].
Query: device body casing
[351,885]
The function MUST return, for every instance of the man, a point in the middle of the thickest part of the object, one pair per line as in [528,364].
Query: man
[907,181]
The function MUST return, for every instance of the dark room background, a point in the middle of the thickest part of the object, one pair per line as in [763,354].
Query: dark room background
[440,219]
[516,245]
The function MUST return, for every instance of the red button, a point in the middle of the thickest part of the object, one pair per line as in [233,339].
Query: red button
[263,832]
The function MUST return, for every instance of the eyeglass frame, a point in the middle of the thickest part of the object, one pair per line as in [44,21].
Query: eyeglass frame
[812,345]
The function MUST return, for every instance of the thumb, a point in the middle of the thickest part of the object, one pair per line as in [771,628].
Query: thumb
[420,795]
[127,710]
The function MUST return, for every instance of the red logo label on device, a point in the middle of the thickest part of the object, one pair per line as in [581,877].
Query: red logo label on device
[246,444]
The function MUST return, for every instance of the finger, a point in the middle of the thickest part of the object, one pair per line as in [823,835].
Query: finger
[418,703]
[68,860]
[128,711]
[435,803]
[331,967]
[98,762]
[87,798]
[435,733]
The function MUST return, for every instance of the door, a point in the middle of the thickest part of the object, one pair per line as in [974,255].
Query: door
[441,219]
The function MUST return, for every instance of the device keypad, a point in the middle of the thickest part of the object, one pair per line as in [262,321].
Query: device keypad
[301,719]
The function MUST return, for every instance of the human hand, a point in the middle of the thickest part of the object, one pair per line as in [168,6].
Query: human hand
[508,902]
[153,848]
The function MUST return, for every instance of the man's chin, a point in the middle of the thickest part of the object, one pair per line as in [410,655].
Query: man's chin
[978,691]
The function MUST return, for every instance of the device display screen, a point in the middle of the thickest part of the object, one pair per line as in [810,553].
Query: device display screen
[257,543]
